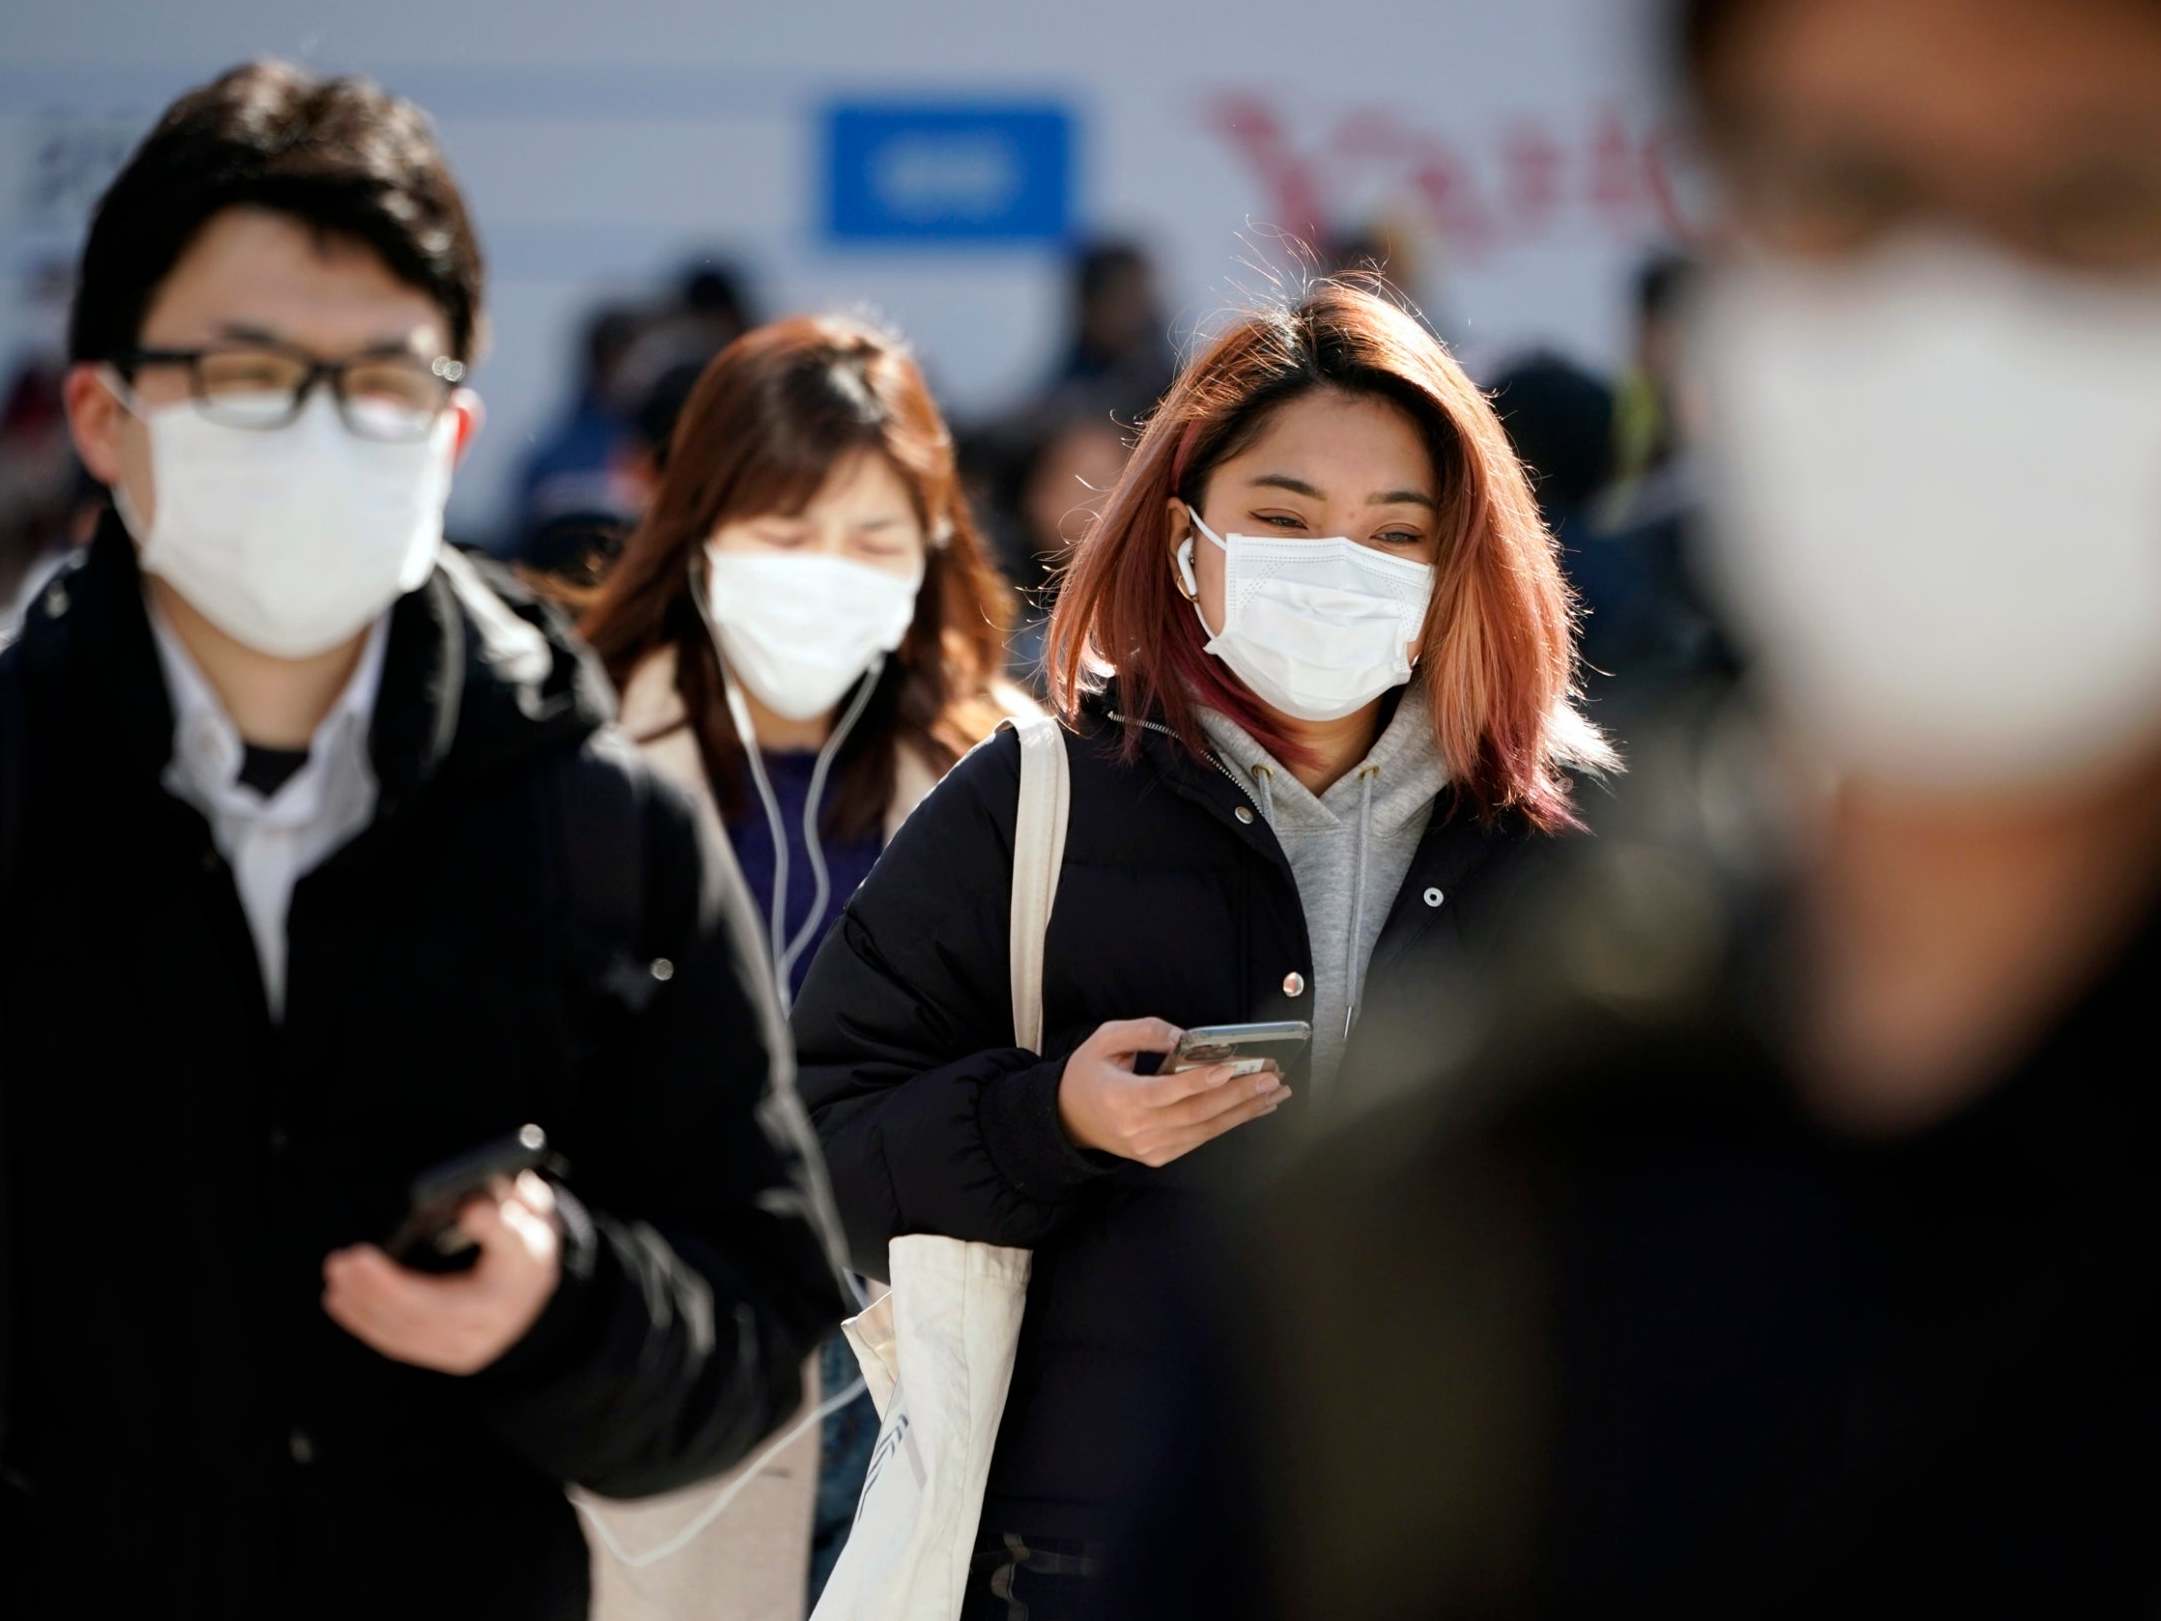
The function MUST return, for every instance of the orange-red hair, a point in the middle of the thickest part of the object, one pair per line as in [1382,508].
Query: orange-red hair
[1499,653]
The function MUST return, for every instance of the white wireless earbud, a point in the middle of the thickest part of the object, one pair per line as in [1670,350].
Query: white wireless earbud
[1186,575]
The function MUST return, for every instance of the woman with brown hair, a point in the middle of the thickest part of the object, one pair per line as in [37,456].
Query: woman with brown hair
[1316,662]
[807,635]
[806,622]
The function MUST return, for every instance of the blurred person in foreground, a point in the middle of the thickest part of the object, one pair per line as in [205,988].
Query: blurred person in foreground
[807,635]
[1786,1246]
[322,865]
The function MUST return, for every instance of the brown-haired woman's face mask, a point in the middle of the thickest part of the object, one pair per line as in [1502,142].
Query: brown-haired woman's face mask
[803,604]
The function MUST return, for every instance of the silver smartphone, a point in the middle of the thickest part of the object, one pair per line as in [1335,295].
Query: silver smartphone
[1249,1045]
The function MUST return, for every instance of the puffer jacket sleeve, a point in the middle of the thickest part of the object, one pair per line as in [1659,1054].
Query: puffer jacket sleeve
[699,1259]
[932,1120]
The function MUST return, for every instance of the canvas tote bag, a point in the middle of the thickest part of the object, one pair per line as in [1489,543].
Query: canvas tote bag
[937,1348]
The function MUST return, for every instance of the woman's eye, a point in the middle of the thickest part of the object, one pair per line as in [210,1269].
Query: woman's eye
[785,539]
[1280,520]
[1401,537]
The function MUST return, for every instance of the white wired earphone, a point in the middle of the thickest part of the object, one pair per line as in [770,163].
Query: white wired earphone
[786,950]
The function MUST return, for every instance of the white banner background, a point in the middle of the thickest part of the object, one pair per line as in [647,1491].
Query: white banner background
[1523,151]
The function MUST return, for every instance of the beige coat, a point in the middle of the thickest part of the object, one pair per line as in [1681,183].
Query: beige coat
[752,1562]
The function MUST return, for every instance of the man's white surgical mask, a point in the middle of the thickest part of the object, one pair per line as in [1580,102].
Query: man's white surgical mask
[799,629]
[290,540]
[1316,629]
[1939,509]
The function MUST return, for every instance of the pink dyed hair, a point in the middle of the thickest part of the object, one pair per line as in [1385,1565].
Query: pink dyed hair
[1499,653]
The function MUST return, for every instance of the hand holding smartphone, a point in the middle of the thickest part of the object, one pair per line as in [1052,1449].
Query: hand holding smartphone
[429,1239]
[1210,1081]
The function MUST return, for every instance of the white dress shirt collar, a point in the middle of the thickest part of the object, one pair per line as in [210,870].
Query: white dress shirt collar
[271,841]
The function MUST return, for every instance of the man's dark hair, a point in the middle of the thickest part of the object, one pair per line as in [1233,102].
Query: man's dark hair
[340,155]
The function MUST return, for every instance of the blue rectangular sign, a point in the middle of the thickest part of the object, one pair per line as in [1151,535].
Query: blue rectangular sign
[948,172]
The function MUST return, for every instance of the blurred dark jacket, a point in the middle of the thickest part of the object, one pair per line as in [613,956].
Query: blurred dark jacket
[1609,1323]
[530,929]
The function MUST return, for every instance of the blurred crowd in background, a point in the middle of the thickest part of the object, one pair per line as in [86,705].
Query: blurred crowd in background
[1610,451]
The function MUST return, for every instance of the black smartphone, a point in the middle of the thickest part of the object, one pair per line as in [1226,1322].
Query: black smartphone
[429,1239]
[1249,1045]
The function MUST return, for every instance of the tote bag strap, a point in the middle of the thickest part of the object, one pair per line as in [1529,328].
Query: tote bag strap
[1039,829]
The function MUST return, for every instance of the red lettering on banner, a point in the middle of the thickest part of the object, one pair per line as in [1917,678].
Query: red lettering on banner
[1458,210]
[1533,162]
[1616,169]
[1251,127]
[1519,184]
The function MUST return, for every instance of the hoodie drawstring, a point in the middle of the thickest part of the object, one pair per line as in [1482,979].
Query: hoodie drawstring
[1354,968]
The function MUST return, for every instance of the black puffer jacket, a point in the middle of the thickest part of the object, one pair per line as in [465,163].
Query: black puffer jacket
[189,1434]
[1176,902]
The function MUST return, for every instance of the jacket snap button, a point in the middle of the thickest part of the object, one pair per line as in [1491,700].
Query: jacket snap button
[1294,984]
[303,1448]
[56,602]
[1433,897]
[1244,813]
[663,970]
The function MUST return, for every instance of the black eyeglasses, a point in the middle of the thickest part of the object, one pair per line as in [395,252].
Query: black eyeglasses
[263,386]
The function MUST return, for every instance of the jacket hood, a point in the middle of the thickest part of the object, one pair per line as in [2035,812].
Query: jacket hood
[1407,771]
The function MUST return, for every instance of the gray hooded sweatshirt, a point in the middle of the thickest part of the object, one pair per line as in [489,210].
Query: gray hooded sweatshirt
[1348,849]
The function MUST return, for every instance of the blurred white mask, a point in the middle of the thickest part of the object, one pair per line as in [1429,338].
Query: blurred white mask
[1938,509]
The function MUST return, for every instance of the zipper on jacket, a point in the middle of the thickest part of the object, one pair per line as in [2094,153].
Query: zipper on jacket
[1214,758]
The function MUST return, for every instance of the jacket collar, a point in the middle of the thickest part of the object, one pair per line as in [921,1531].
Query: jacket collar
[470,674]
[654,715]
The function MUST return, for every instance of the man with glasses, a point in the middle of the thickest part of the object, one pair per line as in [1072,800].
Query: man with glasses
[321,867]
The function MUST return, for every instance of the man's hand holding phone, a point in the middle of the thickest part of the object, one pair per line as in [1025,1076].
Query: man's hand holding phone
[1105,1105]
[456,1322]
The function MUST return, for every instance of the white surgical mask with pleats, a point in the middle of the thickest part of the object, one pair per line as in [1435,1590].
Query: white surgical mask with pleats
[799,630]
[1316,629]
[290,540]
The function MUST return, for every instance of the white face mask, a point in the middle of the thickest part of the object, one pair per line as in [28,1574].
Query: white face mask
[800,630]
[1316,629]
[290,540]
[1940,509]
